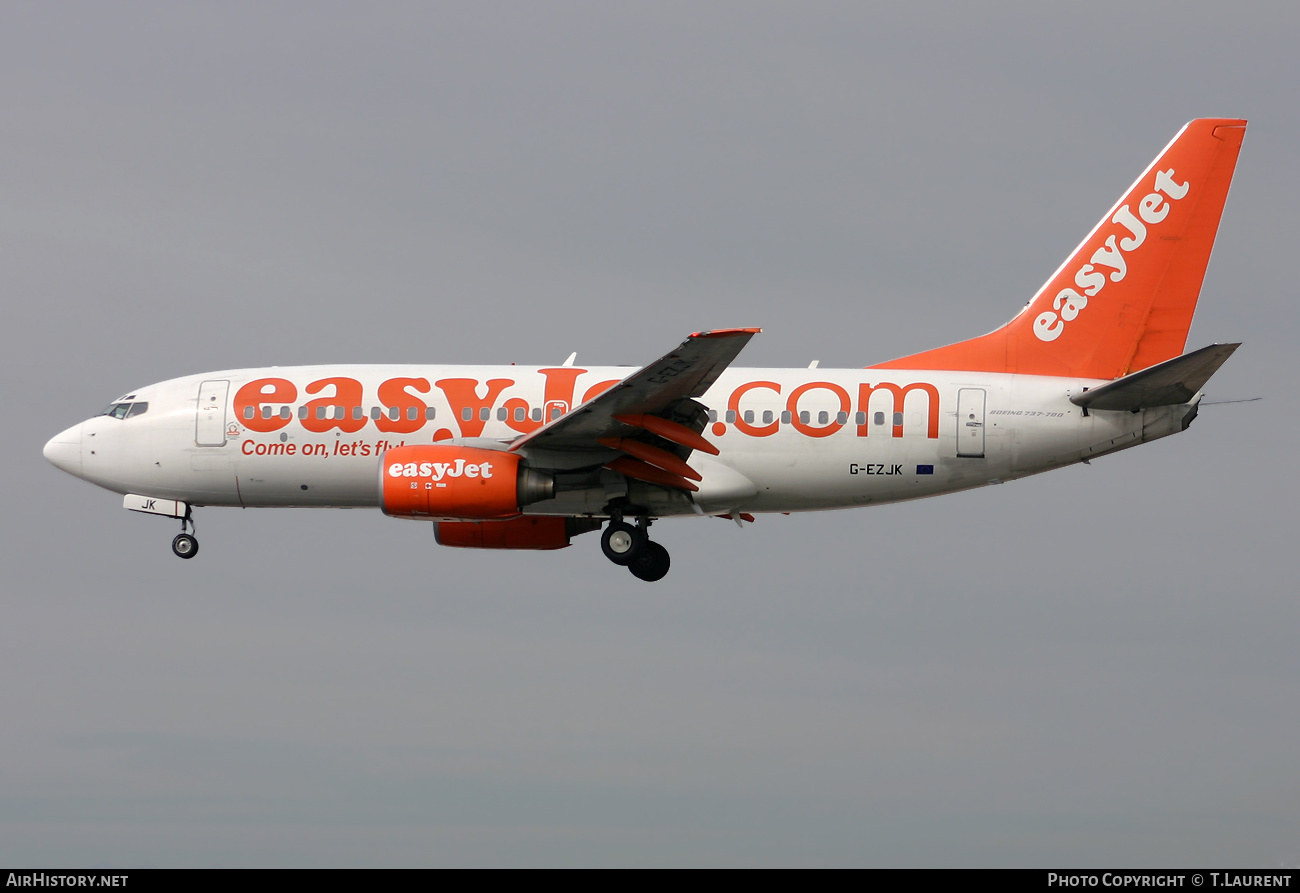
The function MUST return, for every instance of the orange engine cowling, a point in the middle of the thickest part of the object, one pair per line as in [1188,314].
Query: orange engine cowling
[516,533]
[436,481]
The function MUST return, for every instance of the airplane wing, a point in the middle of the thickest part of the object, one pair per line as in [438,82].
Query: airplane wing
[643,403]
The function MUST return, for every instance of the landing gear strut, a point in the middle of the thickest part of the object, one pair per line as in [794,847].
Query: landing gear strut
[631,547]
[186,545]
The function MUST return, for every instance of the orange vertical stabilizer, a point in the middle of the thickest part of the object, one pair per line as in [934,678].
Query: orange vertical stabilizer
[1124,299]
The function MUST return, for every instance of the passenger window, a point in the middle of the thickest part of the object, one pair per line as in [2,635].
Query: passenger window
[749,416]
[537,415]
[785,417]
[286,413]
[841,418]
[266,412]
[467,414]
[484,414]
[860,418]
[501,414]
[823,417]
[302,412]
[376,413]
[805,417]
[731,417]
[898,420]
[429,412]
[358,413]
[713,415]
[249,412]
[320,412]
[878,418]
[556,412]
[413,413]
[519,413]
[767,417]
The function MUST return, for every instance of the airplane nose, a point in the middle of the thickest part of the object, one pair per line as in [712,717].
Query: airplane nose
[64,451]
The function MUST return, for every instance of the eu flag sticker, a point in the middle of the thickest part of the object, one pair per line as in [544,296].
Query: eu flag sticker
[925,469]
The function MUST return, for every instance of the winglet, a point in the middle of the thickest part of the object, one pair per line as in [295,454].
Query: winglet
[724,333]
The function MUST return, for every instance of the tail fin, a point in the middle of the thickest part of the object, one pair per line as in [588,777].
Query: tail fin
[1124,299]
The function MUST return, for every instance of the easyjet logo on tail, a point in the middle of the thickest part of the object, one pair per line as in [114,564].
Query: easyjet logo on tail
[1070,302]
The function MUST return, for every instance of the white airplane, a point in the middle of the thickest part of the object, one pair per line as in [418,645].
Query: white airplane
[511,457]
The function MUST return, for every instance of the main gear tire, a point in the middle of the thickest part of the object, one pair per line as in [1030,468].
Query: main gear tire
[651,563]
[621,542]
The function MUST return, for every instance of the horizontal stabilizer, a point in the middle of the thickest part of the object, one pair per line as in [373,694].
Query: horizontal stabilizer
[1164,384]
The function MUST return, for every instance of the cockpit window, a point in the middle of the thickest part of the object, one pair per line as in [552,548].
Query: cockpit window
[125,410]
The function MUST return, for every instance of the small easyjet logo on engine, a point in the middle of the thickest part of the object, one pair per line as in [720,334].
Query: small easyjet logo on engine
[439,470]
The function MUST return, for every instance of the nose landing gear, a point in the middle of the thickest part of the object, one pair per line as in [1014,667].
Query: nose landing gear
[186,545]
[631,547]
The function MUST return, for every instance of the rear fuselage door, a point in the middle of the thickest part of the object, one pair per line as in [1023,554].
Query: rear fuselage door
[970,423]
[210,422]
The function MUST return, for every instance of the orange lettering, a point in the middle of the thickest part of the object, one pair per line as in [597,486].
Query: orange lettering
[253,396]
[599,388]
[340,411]
[462,394]
[748,427]
[394,394]
[812,430]
[559,390]
[900,396]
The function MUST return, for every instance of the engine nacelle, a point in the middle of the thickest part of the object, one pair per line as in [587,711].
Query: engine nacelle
[448,481]
[516,533]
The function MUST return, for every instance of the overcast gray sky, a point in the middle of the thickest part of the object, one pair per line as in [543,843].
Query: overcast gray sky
[1095,667]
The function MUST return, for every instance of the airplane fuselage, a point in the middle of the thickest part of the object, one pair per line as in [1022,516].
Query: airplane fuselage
[788,439]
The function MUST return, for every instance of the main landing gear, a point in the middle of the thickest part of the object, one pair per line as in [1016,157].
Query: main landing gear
[186,545]
[631,547]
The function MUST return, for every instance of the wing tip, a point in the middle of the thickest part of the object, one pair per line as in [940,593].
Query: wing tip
[724,333]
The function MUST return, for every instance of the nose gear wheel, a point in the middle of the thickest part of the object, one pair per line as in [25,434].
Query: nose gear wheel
[185,546]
